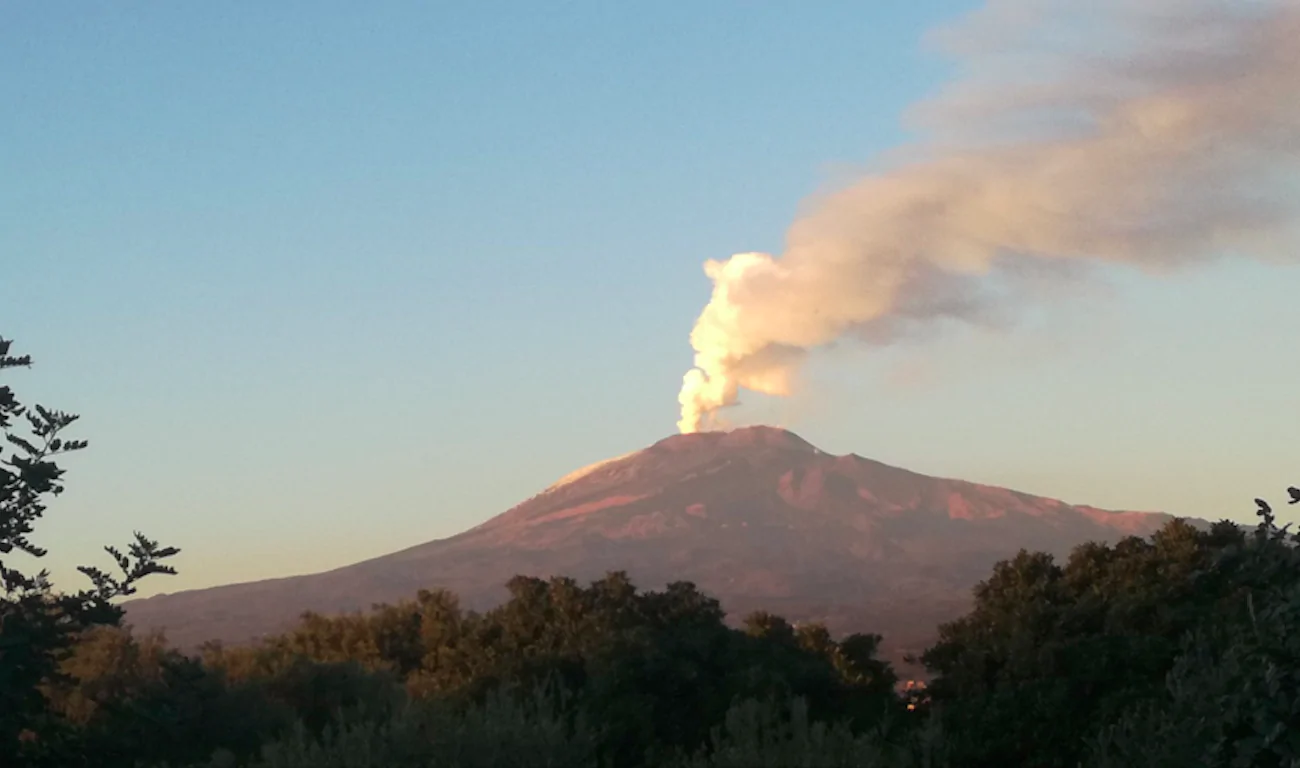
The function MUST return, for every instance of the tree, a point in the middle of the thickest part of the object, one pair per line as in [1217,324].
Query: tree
[38,625]
[650,672]
[1051,656]
[1233,695]
[133,700]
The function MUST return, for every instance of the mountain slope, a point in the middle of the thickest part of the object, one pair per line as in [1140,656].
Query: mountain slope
[757,517]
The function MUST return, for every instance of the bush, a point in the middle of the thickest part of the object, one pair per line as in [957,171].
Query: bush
[767,734]
[505,731]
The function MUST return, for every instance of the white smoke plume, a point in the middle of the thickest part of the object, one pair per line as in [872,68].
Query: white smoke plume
[1149,133]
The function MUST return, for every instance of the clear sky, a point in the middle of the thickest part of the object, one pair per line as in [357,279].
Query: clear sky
[330,279]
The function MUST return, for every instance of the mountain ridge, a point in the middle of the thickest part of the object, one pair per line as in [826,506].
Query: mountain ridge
[758,517]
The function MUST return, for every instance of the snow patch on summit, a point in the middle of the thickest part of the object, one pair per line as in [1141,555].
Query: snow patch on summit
[578,474]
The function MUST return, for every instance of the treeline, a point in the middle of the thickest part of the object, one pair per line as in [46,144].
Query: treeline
[1180,649]
[1177,650]
[601,673]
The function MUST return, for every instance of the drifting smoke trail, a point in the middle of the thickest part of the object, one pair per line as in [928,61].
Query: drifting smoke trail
[1154,134]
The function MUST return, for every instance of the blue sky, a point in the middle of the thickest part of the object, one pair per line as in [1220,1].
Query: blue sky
[330,279]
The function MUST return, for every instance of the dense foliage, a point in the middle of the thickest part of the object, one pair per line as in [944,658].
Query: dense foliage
[1058,663]
[1180,649]
[649,673]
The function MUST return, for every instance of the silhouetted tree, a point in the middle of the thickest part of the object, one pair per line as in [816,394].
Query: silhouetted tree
[1232,697]
[1050,656]
[37,624]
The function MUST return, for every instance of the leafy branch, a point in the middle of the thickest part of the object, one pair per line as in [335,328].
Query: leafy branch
[38,625]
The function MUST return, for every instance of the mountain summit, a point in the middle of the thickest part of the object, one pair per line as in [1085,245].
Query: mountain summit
[757,517]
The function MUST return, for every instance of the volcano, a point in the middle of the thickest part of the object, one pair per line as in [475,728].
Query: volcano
[756,517]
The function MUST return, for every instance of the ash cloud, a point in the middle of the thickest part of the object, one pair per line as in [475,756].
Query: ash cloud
[1155,135]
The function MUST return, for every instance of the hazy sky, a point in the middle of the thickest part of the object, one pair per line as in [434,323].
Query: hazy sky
[328,279]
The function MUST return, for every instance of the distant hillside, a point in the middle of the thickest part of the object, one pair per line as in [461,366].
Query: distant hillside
[757,517]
